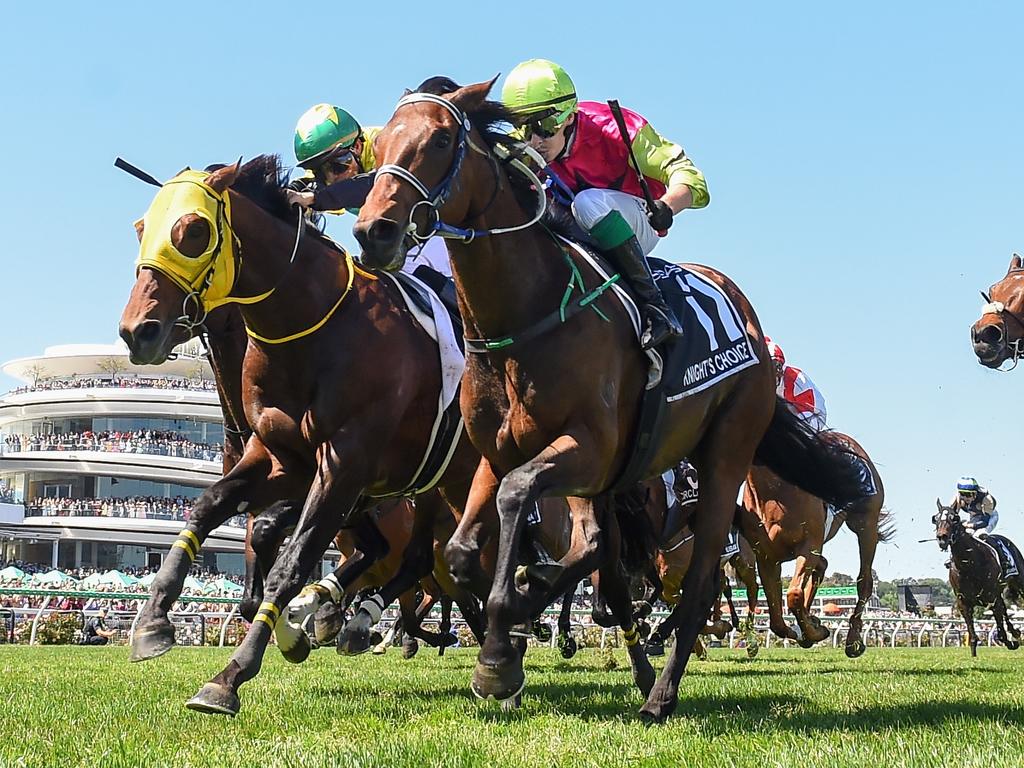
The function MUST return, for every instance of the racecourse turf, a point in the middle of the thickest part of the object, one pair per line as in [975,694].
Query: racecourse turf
[72,706]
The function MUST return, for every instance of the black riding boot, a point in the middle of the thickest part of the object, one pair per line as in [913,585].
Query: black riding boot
[660,322]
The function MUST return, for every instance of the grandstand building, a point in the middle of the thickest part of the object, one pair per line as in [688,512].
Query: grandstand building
[101,459]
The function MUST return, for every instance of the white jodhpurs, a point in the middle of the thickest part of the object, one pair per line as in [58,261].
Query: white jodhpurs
[592,205]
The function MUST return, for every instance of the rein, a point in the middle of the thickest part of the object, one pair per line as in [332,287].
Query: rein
[435,197]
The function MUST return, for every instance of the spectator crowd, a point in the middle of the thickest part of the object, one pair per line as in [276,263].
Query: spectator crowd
[148,441]
[119,382]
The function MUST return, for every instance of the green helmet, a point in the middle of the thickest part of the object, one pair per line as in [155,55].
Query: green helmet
[321,130]
[542,89]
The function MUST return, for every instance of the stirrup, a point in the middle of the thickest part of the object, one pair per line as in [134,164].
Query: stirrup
[658,327]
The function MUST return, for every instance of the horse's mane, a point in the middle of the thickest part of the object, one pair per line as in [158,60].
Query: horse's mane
[264,181]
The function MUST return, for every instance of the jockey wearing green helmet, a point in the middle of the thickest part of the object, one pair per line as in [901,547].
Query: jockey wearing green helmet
[587,157]
[331,144]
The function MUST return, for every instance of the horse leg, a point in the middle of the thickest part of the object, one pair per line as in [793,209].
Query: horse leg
[734,616]
[252,585]
[247,484]
[370,546]
[771,581]
[615,589]
[566,642]
[269,529]
[867,542]
[967,611]
[1002,619]
[718,626]
[746,572]
[718,461]
[801,588]
[417,562]
[479,525]
[555,471]
[339,479]
[446,624]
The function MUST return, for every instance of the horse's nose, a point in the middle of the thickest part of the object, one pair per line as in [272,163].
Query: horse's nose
[379,239]
[989,334]
[142,337]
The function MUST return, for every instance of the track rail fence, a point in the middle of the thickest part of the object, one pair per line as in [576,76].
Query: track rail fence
[225,626]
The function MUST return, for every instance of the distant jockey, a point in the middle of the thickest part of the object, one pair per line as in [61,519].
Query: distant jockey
[978,504]
[588,160]
[796,388]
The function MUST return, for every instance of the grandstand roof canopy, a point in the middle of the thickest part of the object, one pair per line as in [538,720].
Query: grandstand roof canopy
[66,360]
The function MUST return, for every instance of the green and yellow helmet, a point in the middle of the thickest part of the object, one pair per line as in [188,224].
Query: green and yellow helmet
[540,92]
[322,130]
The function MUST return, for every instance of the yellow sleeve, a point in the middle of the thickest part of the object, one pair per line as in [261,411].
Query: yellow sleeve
[366,158]
[665,161]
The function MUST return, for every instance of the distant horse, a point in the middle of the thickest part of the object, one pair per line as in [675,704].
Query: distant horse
[340,385]
[784,523]
[998,335]
[975,574]
[553,406]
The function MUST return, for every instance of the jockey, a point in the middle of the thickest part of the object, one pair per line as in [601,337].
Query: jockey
[978,504]
[337,154]
[796,388]
[589,163]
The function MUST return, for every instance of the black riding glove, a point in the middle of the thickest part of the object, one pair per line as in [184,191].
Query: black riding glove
[660,216]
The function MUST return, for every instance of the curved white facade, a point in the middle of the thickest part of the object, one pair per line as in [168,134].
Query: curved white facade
[101,458]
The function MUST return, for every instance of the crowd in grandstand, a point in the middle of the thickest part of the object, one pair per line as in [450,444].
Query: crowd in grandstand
[142,507]
[148,441]
[121,382]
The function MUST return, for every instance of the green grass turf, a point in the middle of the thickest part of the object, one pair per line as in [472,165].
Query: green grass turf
[66,706]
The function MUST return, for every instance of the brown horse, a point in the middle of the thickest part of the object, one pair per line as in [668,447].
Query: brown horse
[998,335]
[784,523]
[974,575]
[339,383]
[552,406]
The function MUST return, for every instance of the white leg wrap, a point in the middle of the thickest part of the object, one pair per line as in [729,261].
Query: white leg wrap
[330,583]
[373,606]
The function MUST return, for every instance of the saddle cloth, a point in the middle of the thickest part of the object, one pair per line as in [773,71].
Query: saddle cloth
[439,323]
[714,345]
[1004,551]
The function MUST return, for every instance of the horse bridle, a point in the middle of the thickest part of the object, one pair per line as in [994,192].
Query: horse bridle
[999,309]
[435,197]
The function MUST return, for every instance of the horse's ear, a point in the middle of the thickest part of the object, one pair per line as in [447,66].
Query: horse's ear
[472,97]
[224,177]
[140,227]
[1015,263]
[406,92]
[938,503]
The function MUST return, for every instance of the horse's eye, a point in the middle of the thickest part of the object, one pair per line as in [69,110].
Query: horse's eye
[196,229]
[442,140]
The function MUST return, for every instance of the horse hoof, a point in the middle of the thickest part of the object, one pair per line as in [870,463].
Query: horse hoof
[215,699]
[567,646]
[498,683]
[379,650]
[654,648]
[542,631]
[647,717]
[545,574]
[410,648]
[353,640]
[752,650]
[805,642]
[150,642]
[327,623]
[855,649]
[299,652]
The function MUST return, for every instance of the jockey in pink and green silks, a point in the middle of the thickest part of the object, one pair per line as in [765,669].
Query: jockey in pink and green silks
[585,152]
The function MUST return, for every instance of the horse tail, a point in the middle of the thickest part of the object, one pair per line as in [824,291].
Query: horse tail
[639,540]
[810,460]
[886,524]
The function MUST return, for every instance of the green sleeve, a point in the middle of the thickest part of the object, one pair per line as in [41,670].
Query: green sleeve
[665,161]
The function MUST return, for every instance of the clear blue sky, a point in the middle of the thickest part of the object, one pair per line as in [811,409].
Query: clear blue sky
[865,165]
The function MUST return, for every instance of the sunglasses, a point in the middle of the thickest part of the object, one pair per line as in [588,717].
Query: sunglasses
[338,165]
[543,128]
